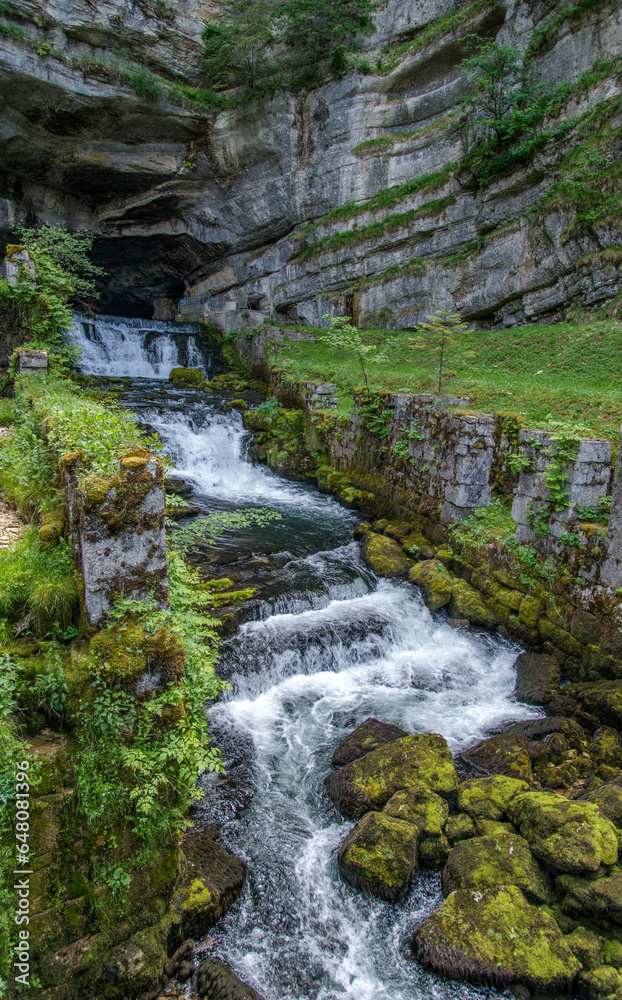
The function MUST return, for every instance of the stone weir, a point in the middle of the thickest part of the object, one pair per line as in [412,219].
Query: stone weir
[506,527]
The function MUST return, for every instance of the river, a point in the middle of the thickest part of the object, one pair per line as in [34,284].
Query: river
[329,645]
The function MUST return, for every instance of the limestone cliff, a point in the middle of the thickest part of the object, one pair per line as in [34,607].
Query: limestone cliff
[228,211]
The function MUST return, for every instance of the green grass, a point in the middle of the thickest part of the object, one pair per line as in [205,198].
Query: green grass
[542,373]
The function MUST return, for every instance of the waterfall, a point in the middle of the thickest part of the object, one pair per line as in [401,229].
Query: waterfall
[138,348]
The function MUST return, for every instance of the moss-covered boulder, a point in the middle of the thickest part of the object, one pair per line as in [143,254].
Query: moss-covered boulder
[600,898]
[489,798]
[606,747]
[421,807]
[384,555]
[586,947]
[568,836]
[435,581]
[379,856]
[190,377]
[459,827]
[603,700]
[505,754]
[434,851]
[369,782]
[537,678]
[603,981]
[498,860]
[371,734]
[466,602]
[608,798]
[498,938]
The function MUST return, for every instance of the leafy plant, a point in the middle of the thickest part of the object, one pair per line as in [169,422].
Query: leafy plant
[342,336]
[439,333]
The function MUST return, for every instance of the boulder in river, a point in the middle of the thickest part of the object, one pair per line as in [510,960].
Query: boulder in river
[504,859]
[384,555]
[369,782]
[600,898]
[420,806]
[188,377]
[495,937]
[379,856]
[216,981]
[505,753]
[489,798]
[370,735]
[569,836]
[435,581]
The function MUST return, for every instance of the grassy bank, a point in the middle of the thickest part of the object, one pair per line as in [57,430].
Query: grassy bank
[560,372]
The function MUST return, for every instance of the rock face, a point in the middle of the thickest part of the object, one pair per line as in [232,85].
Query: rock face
[525,947]
[369,782]
[213,206]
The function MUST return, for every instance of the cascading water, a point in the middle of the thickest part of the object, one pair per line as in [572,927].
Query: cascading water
[113,346]
[331,645]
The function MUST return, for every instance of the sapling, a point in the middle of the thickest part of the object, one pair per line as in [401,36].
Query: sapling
[440,332]
[342,336]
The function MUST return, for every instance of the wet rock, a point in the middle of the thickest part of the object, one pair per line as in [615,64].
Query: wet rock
[369,782]
[466,602]
[495,937]
[190,377]
[421,807]
[379,856]
[537,678]
[612,953]
[216,981]
[603,699]
[586,947]
[489,798]
[435,582]
[370,735]
[214,879]
[601,982]
[185,971]
[568,836]
[497,860]
[384,555]
[434,851]
[504,754]
[183,953]
[608,798]
[600,897]
[536,729]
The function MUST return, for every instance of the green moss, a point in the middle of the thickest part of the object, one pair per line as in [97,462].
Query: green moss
[435,580]
[420,807]
[466,602]
[191,377]
[501,859]
[384,555]
[379,856]
[198,896]
[489,798]
[459,827]
[496,936]
[587,947]
[569,836]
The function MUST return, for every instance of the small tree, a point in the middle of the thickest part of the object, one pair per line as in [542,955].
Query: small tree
[441,331]
[319,33]
[342,336]
[236,47]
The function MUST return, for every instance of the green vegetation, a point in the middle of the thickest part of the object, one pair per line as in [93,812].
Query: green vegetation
[393,55]
[439,334]
[541,373]
[342,336]
[390,224]
[574,13]
[370,146]
[261,47]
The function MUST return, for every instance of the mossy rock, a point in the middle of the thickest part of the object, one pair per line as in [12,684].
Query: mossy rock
[495,937]
[216,981]
[435,581]
[459,827]
[379,856]
[586,947]
[466,602]
[489,798]
[569,836]
[600,898]
[600,982]
[434,851]
[191,377]
[503,754]
[608,798]
[493,828]
[504,859]
[369,782]
[606,747]
[127,653]
[413,542]
[398,530]
[603,700]
[421,807]
[368,736]
[384,555]
[612,953]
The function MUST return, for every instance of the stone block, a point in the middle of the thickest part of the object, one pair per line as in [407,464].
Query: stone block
[30,362]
